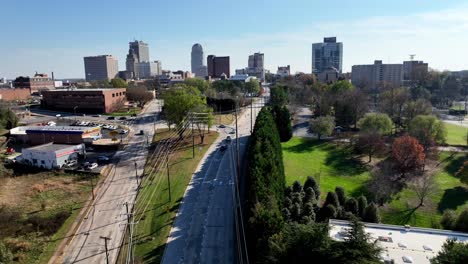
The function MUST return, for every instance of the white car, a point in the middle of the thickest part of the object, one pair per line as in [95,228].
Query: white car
[92,166]
[123,132]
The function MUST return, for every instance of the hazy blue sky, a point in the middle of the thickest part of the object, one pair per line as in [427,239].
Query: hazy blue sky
[54,35]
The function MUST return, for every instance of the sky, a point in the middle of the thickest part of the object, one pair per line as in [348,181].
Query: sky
[55,35]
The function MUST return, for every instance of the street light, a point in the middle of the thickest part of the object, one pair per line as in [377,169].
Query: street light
[74,110]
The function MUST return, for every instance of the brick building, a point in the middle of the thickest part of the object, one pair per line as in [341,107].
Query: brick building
[38,83]
[9,94]
[85,100]
[36,135]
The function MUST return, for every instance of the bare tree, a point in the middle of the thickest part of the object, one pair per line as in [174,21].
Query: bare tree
[140,95]
[423,186]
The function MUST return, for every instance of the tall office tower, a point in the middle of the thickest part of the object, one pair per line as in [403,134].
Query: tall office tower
[148,69]
[255,66]
[375,75]
[218,66]
[198,66]
[326,55]
[138,52]
[256,60]
[100,68]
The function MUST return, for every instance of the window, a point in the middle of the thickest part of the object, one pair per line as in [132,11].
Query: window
[34,161]
[42,162]
[113,95]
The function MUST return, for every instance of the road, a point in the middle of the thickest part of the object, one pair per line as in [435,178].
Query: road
[107,217]
[301,127]
[203,231]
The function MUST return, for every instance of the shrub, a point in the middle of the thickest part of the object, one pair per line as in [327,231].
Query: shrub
[332,199]
[310,182]
[462,221]
[449,219]
[340,193]
[351,206]
[371,214]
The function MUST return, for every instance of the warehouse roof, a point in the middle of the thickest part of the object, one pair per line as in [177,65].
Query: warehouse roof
[402,244]
[22,130]
[52,147]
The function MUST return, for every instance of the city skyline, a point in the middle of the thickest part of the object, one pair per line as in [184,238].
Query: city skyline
[369,32]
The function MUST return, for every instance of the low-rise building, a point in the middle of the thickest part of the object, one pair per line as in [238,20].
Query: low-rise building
[35,135]
[84,100]
[50,155]
[12,94]
[283,71]
[401,244]
[329,75]
[40,82]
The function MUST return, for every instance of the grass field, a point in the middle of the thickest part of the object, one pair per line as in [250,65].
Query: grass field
[153,230]
[331,165]
[456,135]
[125,112]
[338,167]
[450,193]
[36,216]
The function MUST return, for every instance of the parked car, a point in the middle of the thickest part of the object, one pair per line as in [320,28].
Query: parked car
[71,163]
[134,114]
[92,166]
[141,132]
[223,147]
[111,118]
[232,132]
[123,118]
[103,159]
[96,115]
[221,126]
[123,132]
[228,139]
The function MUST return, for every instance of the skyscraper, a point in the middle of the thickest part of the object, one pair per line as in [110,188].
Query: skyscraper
[255,66]
[326,55]
[256,60]
[138,52]
[218,66]
[99,68]
[198,66]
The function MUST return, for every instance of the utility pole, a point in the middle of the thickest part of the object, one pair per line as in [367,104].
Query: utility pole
[92,187]
[105,244]
[237,142]
[168,178]
[251,115]
[193,138]
[136,173]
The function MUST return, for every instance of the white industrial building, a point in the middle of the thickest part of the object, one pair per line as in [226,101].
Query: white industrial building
[50,156]
[401,244]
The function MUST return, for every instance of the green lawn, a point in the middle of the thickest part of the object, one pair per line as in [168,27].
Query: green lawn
[450,193]
[153,230]
[331,165]
[125,112]
[456,135]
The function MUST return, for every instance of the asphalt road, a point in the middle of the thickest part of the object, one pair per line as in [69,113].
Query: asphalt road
[107,216]
[203,231]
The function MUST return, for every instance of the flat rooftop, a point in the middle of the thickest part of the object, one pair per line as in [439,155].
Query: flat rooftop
[417,244]
[84,90]
[22,130]
[52,147]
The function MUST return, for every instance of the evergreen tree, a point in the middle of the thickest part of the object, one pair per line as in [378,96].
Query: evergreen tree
[371,214]
[310,182]
[340,193]
[452,252]
[332,199]
[309,211]
[449,218]
[362,204]
[296,212]
[462,221]
[309,196]
[328,212]
[351,206]
[297,187]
